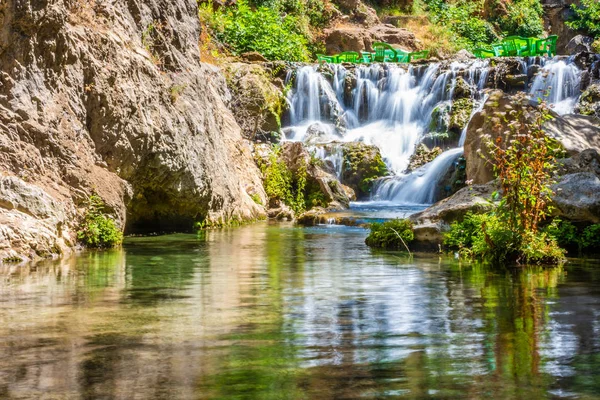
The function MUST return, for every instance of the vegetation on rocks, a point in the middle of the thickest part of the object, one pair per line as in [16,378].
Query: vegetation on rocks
[586,17]
[98,230]
[363,164]
[392,234]
[524,159]
[277,30]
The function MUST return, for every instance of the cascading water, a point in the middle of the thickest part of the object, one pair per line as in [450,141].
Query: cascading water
[558,84]
[393,107]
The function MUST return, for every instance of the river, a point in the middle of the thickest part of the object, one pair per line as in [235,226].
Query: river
[273,311]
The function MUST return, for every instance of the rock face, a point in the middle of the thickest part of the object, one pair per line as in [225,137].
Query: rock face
[580,43]
[430,224]
[556,13]
[358,38]
[257,103]
[111,98]
[576,133]
[577,197]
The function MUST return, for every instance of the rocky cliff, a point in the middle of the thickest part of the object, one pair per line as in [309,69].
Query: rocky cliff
[110,97]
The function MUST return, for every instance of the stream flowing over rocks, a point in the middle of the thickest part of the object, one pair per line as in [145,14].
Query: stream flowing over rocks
[111,98]
[427,121]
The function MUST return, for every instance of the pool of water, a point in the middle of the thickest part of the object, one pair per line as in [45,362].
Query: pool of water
[273,311]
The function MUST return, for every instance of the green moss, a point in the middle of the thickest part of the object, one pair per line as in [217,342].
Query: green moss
[98,230]
[460,113]
[256,198]
[362,166]
[12,260]
[393,234]
[281,185]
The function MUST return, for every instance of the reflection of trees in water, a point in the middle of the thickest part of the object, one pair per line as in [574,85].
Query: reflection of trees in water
[272,312]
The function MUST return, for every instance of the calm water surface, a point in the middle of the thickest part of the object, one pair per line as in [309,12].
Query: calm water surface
[267,311]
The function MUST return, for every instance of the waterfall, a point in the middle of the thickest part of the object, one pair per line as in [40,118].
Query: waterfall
[558,84]
[393,107]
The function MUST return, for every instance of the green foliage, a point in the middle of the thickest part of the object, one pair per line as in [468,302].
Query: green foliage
[523,18]
[391,234]
[596,45]
[461,235]
[587,17]
[564,232]
[486,237]
[98,230]
[462,18]
[524,159]
[266,29]
[590,240]
[281,185]
[256,198]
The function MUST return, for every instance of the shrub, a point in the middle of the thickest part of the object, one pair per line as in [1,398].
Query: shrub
[590,239]
[524,159]
[587,17]
[392,234]
[281,185]
[98,230]
[523,18]
[462,18]
[263,30]
[564,232]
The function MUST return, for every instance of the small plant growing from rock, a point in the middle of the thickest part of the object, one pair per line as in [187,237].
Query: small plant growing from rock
[97,229]
[176,91]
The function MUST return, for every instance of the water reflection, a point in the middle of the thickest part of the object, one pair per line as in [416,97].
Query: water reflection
[280,312]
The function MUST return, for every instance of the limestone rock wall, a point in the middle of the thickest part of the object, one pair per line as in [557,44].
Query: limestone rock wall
[110,97]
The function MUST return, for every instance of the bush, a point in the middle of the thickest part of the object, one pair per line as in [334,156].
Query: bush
[462,19]
[391,234]
[281,185]
[98,230]
[565,233]
[587,17]
[262,30]
[485,237]
[590,239]
[523,18]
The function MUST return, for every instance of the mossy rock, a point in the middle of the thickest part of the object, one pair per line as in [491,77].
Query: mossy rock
[460,114]
[589,102]
[422,156]
[363,164]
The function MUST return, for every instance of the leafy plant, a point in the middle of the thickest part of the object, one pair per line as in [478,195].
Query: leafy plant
[264,30]
[590,239]
[98,230]
[281,185]
[392,234]
[523,18]
[587,17]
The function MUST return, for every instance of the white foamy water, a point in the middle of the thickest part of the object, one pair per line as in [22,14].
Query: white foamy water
[393,106]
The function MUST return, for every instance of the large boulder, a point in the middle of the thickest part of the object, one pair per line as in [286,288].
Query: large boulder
[362,165]
[257,104]
[98,97]
[430,224]
[576,133]
[358,38]
[589,101]
[580,43]
[577,197]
